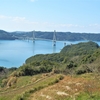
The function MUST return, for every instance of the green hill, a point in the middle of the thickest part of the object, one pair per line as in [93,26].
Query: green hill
[76,59]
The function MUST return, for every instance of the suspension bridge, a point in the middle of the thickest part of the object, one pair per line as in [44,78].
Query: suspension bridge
[54,38]
[33,38]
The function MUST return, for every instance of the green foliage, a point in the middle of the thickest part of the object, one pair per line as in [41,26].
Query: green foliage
[86,96]
[80,49]
[71,64]
[83,69]
[47,57]
[12,69]
[4,82]
[72,57]
[37,67]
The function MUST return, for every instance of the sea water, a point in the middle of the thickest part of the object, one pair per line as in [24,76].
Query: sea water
[13,53]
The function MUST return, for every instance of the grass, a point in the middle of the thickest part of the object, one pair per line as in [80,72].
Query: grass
[23,83]
[86,96]
[30,87]
[55,87]
[71,88]
[42,84]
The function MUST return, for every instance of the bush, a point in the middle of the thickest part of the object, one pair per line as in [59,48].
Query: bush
[71,64]
[60,77]
[83,69]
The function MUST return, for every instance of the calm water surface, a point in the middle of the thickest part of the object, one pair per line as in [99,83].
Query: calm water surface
[13,53]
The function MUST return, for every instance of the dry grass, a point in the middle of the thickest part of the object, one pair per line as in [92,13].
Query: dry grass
[22,84]
[84,87]
[68,89]
[27,85]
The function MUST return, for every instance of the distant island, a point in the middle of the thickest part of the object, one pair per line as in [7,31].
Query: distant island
[60,36]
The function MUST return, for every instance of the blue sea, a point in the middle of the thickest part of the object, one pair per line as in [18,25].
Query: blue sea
[13,53]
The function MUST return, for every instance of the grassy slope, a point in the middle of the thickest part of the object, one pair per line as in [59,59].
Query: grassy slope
[48,87]
[71,88]
[22,84]
[19,90]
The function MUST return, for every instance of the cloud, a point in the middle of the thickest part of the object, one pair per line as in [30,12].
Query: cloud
[2,17]
[12,23]
[22,23]
[19,19]
[33,0]
[95,25]
[15,19]
[5,17]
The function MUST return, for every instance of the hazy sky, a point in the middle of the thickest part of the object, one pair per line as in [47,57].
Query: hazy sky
[49,15]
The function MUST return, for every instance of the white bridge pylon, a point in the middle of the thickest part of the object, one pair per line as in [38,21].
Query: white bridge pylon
[54,38]
[33,36]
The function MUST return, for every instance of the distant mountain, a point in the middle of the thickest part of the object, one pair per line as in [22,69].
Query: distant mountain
[61,36]
[6,35]
[69,36]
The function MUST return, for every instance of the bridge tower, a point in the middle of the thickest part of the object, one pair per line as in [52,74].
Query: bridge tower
[33,36]
[54,38]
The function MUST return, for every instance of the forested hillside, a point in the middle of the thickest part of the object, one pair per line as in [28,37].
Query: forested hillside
[6,35]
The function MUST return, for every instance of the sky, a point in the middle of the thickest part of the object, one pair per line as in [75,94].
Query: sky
[49,15]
